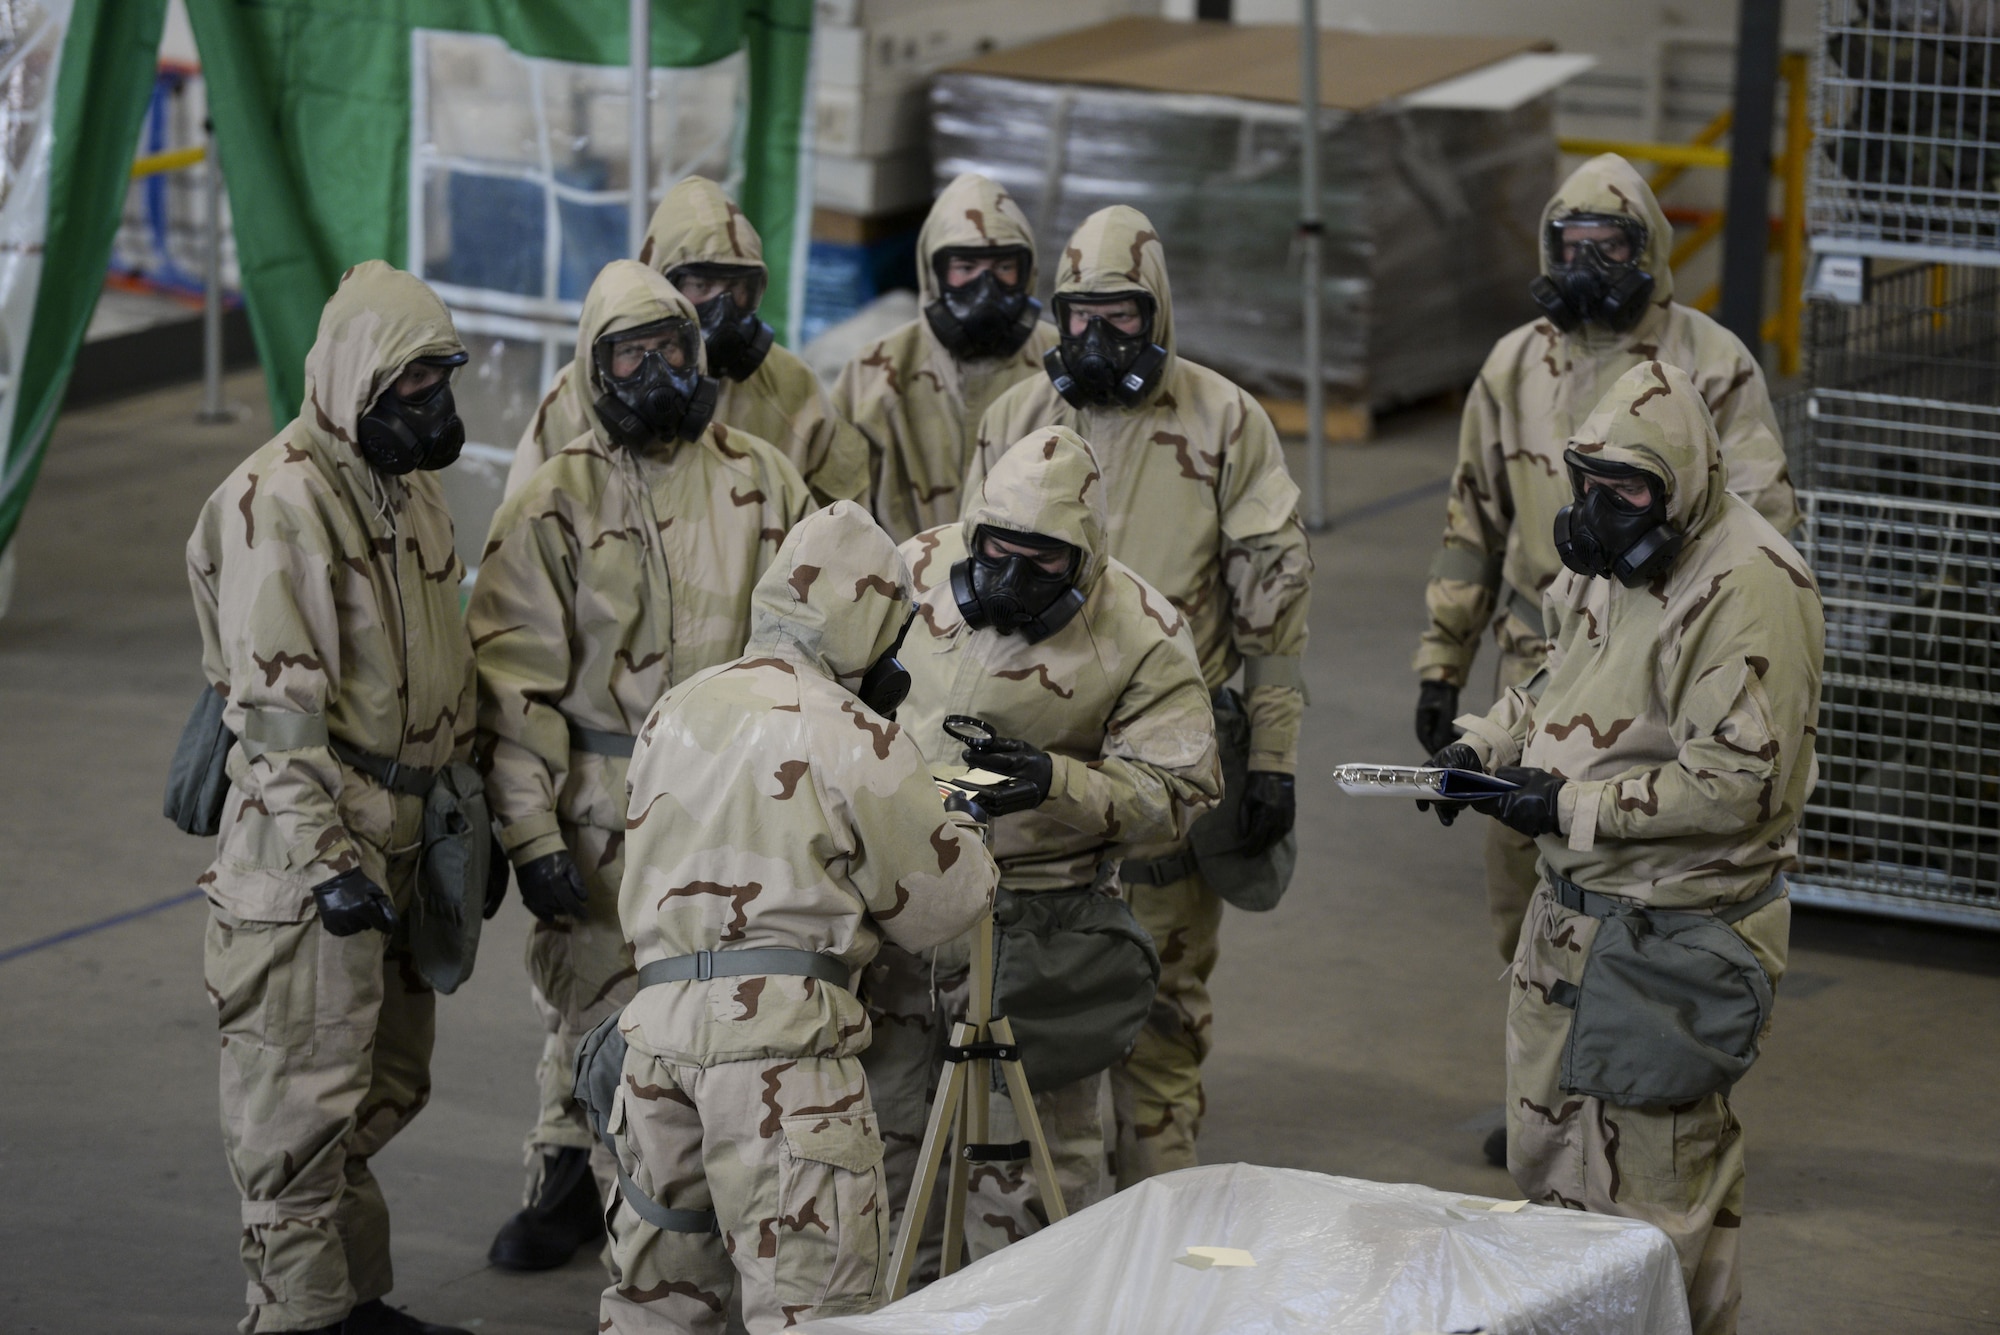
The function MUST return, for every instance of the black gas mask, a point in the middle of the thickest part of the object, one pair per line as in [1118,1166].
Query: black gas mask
[886,683]
[984,317]
[737,340]
[656,401]
[1589,284]
[1601,534]
[398,435]
[1104,366]
[1013,594]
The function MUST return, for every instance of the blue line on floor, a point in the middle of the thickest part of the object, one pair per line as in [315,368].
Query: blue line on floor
[186,896]
[1388,503]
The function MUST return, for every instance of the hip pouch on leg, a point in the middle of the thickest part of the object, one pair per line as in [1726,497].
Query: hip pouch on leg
[600,1065]
[458,844]
[1670,1004]
[197,782]
[1075,975]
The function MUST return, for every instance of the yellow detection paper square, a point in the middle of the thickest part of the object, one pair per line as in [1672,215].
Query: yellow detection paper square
[1206,1258]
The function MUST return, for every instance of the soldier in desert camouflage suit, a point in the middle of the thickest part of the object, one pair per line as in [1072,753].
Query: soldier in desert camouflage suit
[612,575]
[1115,699]
[1535,389]
[698,227]
[1198,503]
[1671,743]
[915,399]
[772,808]
[327,594]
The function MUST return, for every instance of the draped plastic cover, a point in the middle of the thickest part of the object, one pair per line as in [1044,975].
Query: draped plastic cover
[1332,1256]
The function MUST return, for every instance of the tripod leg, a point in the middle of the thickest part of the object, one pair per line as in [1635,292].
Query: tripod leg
[955,1185]
[1031,1122]
[937,1137]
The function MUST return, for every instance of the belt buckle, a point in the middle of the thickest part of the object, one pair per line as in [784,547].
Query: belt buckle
[704,965]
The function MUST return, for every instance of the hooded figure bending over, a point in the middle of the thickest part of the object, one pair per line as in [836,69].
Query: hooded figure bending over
[780,827]
[706,248]
[1663,754]
[918,393]
[622,567]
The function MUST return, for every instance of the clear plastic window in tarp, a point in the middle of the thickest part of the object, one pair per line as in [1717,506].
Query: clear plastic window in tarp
[519,189]
[1241,1248]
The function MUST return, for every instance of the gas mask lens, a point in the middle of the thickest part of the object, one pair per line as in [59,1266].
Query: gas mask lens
[1013,583]
[1594,272]
[401,433]
[1604,534]
[983,308]
[725,297]
[653,387]
[1106,355]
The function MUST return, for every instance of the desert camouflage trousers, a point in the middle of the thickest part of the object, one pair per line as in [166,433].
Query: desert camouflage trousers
[579,970]
[1510,857]
[1156,1094]
[1679,1168]
[788,1155]
[326,1054]
[913,1000]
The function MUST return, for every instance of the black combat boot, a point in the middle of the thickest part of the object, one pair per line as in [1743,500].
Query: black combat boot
[565,1215]
[376,1317]
[1495,1148]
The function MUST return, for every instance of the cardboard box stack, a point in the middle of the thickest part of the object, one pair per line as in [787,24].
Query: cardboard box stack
[872,67]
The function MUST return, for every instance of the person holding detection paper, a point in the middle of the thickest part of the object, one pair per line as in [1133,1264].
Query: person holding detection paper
[1661,758]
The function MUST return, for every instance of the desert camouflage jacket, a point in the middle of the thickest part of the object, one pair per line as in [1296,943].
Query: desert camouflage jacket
[1197,498]
[781,402]
[1115,697]
[1533,393]
[770,807]
[1682,712]
[328,597]
[608,578]
[918,405]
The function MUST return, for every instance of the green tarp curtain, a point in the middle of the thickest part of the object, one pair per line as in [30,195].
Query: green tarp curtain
[311,105]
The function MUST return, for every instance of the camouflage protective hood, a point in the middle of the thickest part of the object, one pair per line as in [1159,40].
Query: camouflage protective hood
[376,323]
[1048,483]
[697,224]
[1609,184]
[838,590]
[974,212]
[1654,418]
[626,295]
[1116,250]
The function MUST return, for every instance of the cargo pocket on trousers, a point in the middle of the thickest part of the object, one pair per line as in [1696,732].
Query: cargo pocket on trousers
[833,1218]
[263,978]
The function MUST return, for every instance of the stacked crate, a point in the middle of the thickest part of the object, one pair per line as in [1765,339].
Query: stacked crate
[872,182]
[1899,461]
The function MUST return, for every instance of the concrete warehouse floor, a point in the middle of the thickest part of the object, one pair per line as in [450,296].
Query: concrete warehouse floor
[1358,1026]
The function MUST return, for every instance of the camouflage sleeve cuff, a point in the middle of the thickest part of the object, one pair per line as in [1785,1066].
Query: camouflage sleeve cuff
[532,837]
[1275,715]
[1576,814]
[1493,743]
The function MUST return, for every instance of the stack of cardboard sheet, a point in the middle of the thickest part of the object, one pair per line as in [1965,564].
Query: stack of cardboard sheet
[1437,154]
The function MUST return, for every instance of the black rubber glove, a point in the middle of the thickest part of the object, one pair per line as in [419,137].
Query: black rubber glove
[1437,706]
[350,903]
[1270,805]
[1017,760]
[496,876]
[1529,809]
[552,887]
[1456,756]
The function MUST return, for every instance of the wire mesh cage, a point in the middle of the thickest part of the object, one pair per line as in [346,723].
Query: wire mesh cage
[1929,331]
[1902,508]
[1907,118]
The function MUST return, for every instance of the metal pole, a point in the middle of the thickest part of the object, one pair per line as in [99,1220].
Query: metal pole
[1746,231]
[212,407]
[1311,229]
[639,211]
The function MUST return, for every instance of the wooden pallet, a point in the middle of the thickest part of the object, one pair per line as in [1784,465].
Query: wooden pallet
[1346,422]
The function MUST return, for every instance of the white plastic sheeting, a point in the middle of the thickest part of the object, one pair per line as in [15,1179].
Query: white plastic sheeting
[1332,1256]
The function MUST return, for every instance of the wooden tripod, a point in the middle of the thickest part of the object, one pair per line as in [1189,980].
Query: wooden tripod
[958,1118]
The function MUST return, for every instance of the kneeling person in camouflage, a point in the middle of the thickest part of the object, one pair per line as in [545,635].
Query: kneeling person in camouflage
[326,585]
[1025,621]
[1663,755]
[780,826]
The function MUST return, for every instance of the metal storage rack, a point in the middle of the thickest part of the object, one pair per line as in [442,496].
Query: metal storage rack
[1898,458]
